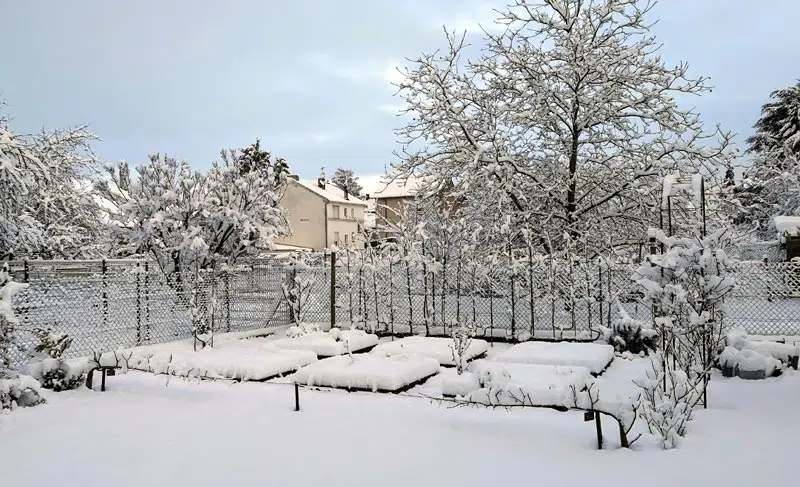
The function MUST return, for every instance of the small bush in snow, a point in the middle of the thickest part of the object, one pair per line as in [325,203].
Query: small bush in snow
[668,399]
[19,391]
[628,334]
[462,338]
[8,321]
[47,365]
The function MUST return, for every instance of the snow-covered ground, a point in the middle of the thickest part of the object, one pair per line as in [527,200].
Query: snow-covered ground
[147,431]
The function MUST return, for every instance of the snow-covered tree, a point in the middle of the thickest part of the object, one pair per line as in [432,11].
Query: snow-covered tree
[569,116]
[47,209]
[346,180]
[65,206]
[777,131]
[191,221]
[769,185]
[769,188]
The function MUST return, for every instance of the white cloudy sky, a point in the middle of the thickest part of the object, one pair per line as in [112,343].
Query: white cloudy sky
[311,78]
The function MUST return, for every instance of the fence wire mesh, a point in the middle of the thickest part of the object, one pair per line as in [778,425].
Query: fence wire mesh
[122,303]
[109,304]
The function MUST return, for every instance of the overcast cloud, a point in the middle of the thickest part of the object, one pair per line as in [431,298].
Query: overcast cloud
[312,78]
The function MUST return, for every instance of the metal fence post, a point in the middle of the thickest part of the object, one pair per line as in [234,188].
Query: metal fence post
[104,297]
[146,301]
[228,276]
[333,289]
[138,304]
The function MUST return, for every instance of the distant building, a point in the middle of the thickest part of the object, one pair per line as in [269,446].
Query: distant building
[322,216]
[387,204]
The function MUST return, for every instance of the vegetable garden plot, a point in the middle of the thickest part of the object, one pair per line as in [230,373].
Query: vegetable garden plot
[370,372]
[593,356]
[440,349]
[482,373]
[330,344]
[243,363]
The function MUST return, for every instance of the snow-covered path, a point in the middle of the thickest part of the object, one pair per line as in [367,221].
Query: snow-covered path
[141,433]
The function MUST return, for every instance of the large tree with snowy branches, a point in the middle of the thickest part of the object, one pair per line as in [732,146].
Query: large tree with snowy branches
[769,186]
[48,208]
[189,220]
[777,131]
[567,120]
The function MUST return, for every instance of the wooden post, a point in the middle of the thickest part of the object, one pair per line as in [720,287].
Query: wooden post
[333,291]
[296,397]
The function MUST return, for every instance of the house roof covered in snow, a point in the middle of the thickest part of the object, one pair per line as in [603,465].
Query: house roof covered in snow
[388,186]
[331,192]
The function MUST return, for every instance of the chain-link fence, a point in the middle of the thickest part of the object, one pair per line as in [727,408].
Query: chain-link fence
[120,303]
[542,299]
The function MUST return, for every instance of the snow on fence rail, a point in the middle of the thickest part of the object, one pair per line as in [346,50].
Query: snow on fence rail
[113,303]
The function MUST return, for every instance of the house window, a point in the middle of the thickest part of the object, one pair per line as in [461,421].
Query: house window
[345,239]
[345,212]
[335,211]
[336,235]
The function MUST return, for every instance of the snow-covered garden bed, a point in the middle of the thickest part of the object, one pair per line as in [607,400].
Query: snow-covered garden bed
[483,373]
[372,372]
[440,349]
[330,343]
[593,356]
[244,363]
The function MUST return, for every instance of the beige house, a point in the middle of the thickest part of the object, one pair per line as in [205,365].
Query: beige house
[386,204]
[322,216]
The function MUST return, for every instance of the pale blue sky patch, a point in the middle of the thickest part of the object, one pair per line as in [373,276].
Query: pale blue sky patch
[311,79]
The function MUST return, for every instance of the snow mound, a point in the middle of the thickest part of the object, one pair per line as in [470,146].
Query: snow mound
[460,385]
[372,372]
[441,349]
[487,370]
[593,356]
[738,339]
[235,363]
[747,363]
[545,379]
[329,344]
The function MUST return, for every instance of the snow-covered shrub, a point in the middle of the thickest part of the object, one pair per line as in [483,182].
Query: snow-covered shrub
[51,344]
[685,287]
[55,374]
[8,320]
[462,336]
[668,398]
[630,335]
[48,366]
[303,329]
[18,390]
